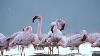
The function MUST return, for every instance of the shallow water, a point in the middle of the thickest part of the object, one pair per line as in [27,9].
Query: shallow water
[85,50]
[72,54]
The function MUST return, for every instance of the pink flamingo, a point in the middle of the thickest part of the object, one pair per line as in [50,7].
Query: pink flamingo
[4,43]
[94,39]
[42,37]
[74,40]
[23,38]
[55,34]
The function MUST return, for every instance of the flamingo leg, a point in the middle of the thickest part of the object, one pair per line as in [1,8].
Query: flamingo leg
[18,47]
[48,50]
[1,52]
[24,53]
[52,50]
[78,50]
[22,50]
[58,50]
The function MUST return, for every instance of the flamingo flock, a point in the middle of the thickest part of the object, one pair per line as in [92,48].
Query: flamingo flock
[54,38]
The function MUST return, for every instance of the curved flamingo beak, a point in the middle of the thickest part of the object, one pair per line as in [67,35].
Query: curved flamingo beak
[36,17]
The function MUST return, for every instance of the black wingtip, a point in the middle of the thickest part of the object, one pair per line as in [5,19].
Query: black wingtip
[34,18]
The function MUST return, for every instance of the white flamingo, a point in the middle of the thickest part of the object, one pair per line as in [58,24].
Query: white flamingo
[23,38]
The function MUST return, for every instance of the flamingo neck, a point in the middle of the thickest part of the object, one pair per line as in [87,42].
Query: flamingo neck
[39,31]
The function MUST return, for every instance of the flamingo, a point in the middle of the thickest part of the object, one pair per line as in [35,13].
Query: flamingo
[4,43]
[41,37]
[74,40]
[94,39]
[55,34]
[23,38]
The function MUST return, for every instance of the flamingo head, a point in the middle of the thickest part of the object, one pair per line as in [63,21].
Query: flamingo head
[61,24]
[36,17]
[28,28]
